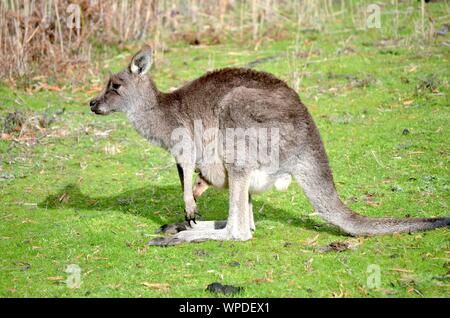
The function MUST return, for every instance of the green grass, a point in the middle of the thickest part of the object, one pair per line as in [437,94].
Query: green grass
[70,200]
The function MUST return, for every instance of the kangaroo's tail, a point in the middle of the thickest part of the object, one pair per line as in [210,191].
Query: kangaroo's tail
[313,173]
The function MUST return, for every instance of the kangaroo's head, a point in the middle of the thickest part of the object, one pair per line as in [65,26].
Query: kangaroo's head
[127,89]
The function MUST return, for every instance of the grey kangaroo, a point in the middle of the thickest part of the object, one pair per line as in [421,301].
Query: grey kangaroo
[235,98]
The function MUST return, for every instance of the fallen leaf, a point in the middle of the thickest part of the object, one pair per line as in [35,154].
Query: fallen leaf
[312,241]
[64,198]
[158,286]
[408,102]
[401,270]
[28,221]
[55,278]
[413,68]
[414,290]
[263,280]
[115,286]
[334,246]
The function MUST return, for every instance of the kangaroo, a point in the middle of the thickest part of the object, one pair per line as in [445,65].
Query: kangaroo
[236,98]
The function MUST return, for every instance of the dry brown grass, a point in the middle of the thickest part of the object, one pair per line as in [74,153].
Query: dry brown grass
[35,39]
[41,35]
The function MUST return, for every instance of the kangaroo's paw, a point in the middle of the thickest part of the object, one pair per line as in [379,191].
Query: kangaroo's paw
[192,216]
[191,212]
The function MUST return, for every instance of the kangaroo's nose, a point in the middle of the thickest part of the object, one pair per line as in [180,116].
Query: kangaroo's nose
[93,103]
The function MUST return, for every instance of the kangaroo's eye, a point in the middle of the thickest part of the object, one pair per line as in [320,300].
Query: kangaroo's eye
[115,86]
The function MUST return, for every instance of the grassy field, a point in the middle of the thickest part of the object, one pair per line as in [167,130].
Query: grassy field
[89,191]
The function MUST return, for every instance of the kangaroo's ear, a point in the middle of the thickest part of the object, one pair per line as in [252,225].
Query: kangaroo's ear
[142,61]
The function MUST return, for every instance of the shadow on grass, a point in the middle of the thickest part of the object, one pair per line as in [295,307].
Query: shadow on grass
[164,204]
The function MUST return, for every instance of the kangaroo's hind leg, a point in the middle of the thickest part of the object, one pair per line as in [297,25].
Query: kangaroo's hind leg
[238,223]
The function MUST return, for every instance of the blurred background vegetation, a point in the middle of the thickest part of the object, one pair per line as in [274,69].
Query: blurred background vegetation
[76,188]
[66,38]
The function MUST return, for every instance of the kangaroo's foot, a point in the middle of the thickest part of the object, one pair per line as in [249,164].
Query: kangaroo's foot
[237,226]
[198,235]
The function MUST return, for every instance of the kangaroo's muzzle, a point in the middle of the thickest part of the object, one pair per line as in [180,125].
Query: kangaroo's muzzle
[94,104]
